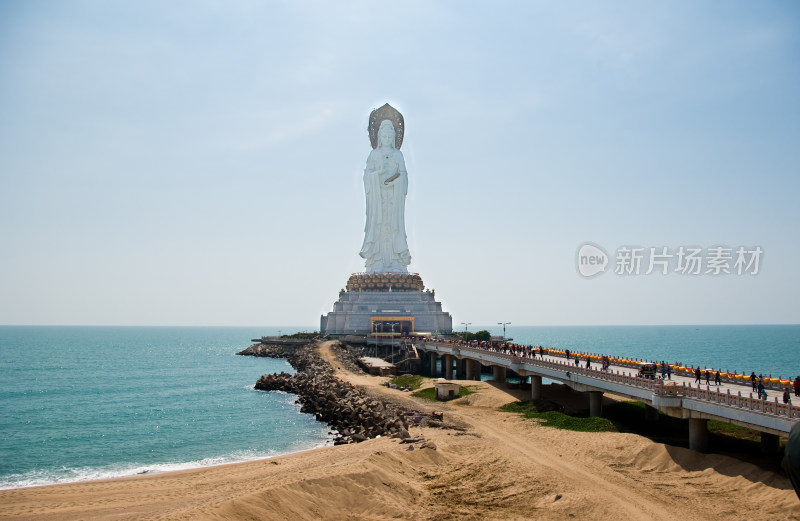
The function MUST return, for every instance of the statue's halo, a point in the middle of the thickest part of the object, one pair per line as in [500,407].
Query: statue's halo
[380,114]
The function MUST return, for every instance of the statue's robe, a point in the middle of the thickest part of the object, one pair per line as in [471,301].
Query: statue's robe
[385,247]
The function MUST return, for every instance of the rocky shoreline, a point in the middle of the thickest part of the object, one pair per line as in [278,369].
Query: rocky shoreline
[355,415]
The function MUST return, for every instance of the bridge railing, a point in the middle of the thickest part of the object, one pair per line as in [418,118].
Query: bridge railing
[770,383]
[658,387]
[728,399]
[558,365]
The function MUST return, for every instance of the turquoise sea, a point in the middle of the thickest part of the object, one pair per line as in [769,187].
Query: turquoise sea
[80,403]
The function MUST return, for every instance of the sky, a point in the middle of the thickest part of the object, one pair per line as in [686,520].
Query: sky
[200,162]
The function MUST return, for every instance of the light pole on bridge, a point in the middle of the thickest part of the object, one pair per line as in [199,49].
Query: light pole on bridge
[504,324]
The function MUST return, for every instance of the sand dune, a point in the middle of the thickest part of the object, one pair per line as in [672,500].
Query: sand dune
[488,465]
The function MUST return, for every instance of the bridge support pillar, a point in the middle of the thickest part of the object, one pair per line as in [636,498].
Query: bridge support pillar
[595,403]
[698,434]
[536,387]
[769,443]
[476,370]
[432,357]
[650,413]
[469,369]
[499,374]
[448,370]
[461,369]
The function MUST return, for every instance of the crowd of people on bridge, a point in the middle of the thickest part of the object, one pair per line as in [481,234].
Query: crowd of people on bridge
[759,383]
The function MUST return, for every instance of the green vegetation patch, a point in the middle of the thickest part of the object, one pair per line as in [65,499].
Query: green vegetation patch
[559,420]
[466,390]
[426,394]
[545,411]
[735,431]
[469,336]
[530,407]
[408,380]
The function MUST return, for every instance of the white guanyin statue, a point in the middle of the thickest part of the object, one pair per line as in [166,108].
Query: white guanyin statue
[385,248]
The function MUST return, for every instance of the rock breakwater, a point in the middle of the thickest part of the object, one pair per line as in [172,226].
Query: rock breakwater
[270,350]
[354,415]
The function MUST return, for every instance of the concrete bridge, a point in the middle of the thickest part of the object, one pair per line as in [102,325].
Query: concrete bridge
[680,397]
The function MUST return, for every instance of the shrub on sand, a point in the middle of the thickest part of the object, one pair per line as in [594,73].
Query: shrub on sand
[414,381]
[551,417]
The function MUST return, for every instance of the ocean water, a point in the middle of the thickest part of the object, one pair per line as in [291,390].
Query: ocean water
[80,403]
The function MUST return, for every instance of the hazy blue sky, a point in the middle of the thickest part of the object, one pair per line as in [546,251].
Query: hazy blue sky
[200,162]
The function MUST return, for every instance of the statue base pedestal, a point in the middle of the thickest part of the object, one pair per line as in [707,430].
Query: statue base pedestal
[406,310]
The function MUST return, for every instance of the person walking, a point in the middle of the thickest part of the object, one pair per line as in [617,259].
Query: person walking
[566,352]
[708,376]
[669,372]
[697,375]
[753,379]
[717,380]
[786,396]
[762,394]
[797,386]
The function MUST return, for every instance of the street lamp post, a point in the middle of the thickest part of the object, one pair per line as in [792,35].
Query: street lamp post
[465,324]
[393,324]
[504,324]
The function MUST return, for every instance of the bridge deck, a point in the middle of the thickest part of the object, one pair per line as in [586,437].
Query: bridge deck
[681,396]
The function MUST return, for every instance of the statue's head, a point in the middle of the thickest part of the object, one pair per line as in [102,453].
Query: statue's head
[378,117]
[386,134]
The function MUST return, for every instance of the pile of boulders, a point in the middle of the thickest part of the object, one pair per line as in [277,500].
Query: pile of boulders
[349,356]
[269,350]
[354,415]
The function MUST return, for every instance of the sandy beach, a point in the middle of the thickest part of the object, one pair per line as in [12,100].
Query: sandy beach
[482,464]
